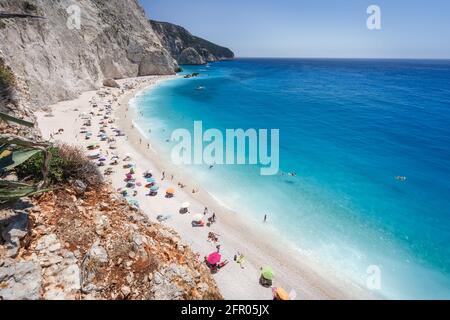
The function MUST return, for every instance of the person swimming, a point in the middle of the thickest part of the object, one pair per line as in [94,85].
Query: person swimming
[291,174]
[400,178]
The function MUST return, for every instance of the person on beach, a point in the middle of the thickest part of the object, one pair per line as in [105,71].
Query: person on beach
[148,145]
[140,141]
[218,248]
[265,218]
[163,175]
[205,212]
[214,217]
[240,260]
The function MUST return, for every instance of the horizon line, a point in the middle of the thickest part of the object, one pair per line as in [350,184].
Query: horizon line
[341,58]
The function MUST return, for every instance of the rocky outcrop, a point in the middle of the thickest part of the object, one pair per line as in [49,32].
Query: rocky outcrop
[187,48]
[57,61]
[190,56]
[93,245]
[111,83]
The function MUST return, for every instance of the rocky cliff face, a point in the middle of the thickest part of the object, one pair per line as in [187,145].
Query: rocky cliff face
[57,62]
[186,48]
[73,243]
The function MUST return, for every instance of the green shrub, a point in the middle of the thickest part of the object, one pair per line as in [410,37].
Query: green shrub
[6,76]
[29,7]
[67,163]
[2,25]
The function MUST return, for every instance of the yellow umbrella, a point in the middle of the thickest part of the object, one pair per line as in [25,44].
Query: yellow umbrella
[170,191]
[282,294]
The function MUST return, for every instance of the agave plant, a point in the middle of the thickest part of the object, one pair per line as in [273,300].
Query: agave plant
[15,150]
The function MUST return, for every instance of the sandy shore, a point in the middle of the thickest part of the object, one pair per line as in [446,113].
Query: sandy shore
[258,242]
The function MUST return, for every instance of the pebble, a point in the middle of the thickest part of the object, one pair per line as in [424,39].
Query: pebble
[125,290]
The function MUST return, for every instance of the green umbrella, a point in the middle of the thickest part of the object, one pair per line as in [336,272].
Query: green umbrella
[154,188]
[267,273]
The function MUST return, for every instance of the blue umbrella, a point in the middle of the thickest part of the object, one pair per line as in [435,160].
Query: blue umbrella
[154,188]
[151,180]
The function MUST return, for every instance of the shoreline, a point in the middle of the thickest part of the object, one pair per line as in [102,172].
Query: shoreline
[260,245]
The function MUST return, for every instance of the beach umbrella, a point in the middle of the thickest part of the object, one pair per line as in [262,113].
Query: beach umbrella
[154,188]
[148,173]
[185,205]
[267,273]
[93,155]
[281,294]
[133,203]
[151,180]
[214,258]
[170,190]
[198,218]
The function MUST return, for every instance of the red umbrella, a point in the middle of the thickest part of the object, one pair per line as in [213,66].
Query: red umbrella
[214,258]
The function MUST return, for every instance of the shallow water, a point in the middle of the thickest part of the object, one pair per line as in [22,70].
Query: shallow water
[347,128]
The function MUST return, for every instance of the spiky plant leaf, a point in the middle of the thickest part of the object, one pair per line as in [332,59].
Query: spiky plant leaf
[3,147]
[9,118]
[18,157]
[10,190]
[10,139]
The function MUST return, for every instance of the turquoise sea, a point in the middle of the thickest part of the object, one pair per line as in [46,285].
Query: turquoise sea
[348,128]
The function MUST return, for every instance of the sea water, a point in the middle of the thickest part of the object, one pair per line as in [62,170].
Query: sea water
[348,129]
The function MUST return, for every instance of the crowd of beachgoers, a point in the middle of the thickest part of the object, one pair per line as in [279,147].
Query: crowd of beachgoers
[248,258]
[99,134]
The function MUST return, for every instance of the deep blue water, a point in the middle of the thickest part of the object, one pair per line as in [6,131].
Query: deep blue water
[347,128]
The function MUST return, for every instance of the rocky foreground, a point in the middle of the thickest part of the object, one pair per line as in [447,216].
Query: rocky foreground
[75,243]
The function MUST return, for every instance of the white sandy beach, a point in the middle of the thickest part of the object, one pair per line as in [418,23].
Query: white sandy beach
[259,244]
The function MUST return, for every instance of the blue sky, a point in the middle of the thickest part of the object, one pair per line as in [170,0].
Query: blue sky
[314,28]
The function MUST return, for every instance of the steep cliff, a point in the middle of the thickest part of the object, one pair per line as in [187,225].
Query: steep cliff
[77,241]
[186,48]
[57,61]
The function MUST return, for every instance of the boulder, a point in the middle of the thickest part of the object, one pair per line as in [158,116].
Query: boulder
[16,229]
[20,280]
[111,83]
[80,186]
[96,257]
